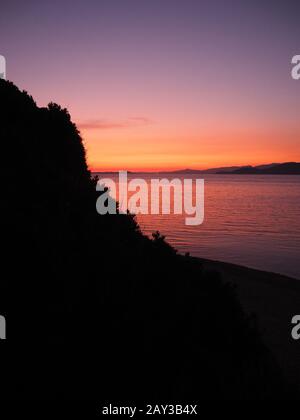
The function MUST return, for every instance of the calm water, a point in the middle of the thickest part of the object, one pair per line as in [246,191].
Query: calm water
[249,220]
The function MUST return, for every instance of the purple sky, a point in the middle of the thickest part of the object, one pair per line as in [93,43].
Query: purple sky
[163,84]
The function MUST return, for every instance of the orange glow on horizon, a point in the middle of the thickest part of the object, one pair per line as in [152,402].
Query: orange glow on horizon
[151,151]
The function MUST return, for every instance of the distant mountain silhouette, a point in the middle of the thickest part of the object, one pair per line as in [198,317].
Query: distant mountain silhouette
[223,169]
[96,310]
[206,171]
[288,168]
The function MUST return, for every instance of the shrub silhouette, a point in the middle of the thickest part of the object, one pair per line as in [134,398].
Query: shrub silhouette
[95,308]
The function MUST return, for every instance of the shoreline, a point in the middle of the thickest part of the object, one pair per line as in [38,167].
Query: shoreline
[274,299]
[264,275]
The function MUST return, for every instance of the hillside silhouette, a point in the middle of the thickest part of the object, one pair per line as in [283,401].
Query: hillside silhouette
[94,308]
[287,168]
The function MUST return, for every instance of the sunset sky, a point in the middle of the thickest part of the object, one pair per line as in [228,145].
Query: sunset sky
[163,84]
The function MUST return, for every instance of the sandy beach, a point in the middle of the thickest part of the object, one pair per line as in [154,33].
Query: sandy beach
[274,299]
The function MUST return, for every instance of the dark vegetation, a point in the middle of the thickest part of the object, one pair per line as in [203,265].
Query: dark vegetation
[95,309]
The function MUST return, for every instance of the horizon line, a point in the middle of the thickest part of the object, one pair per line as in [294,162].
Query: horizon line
[157,170]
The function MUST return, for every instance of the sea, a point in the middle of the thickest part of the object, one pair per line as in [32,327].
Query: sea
[250,220]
